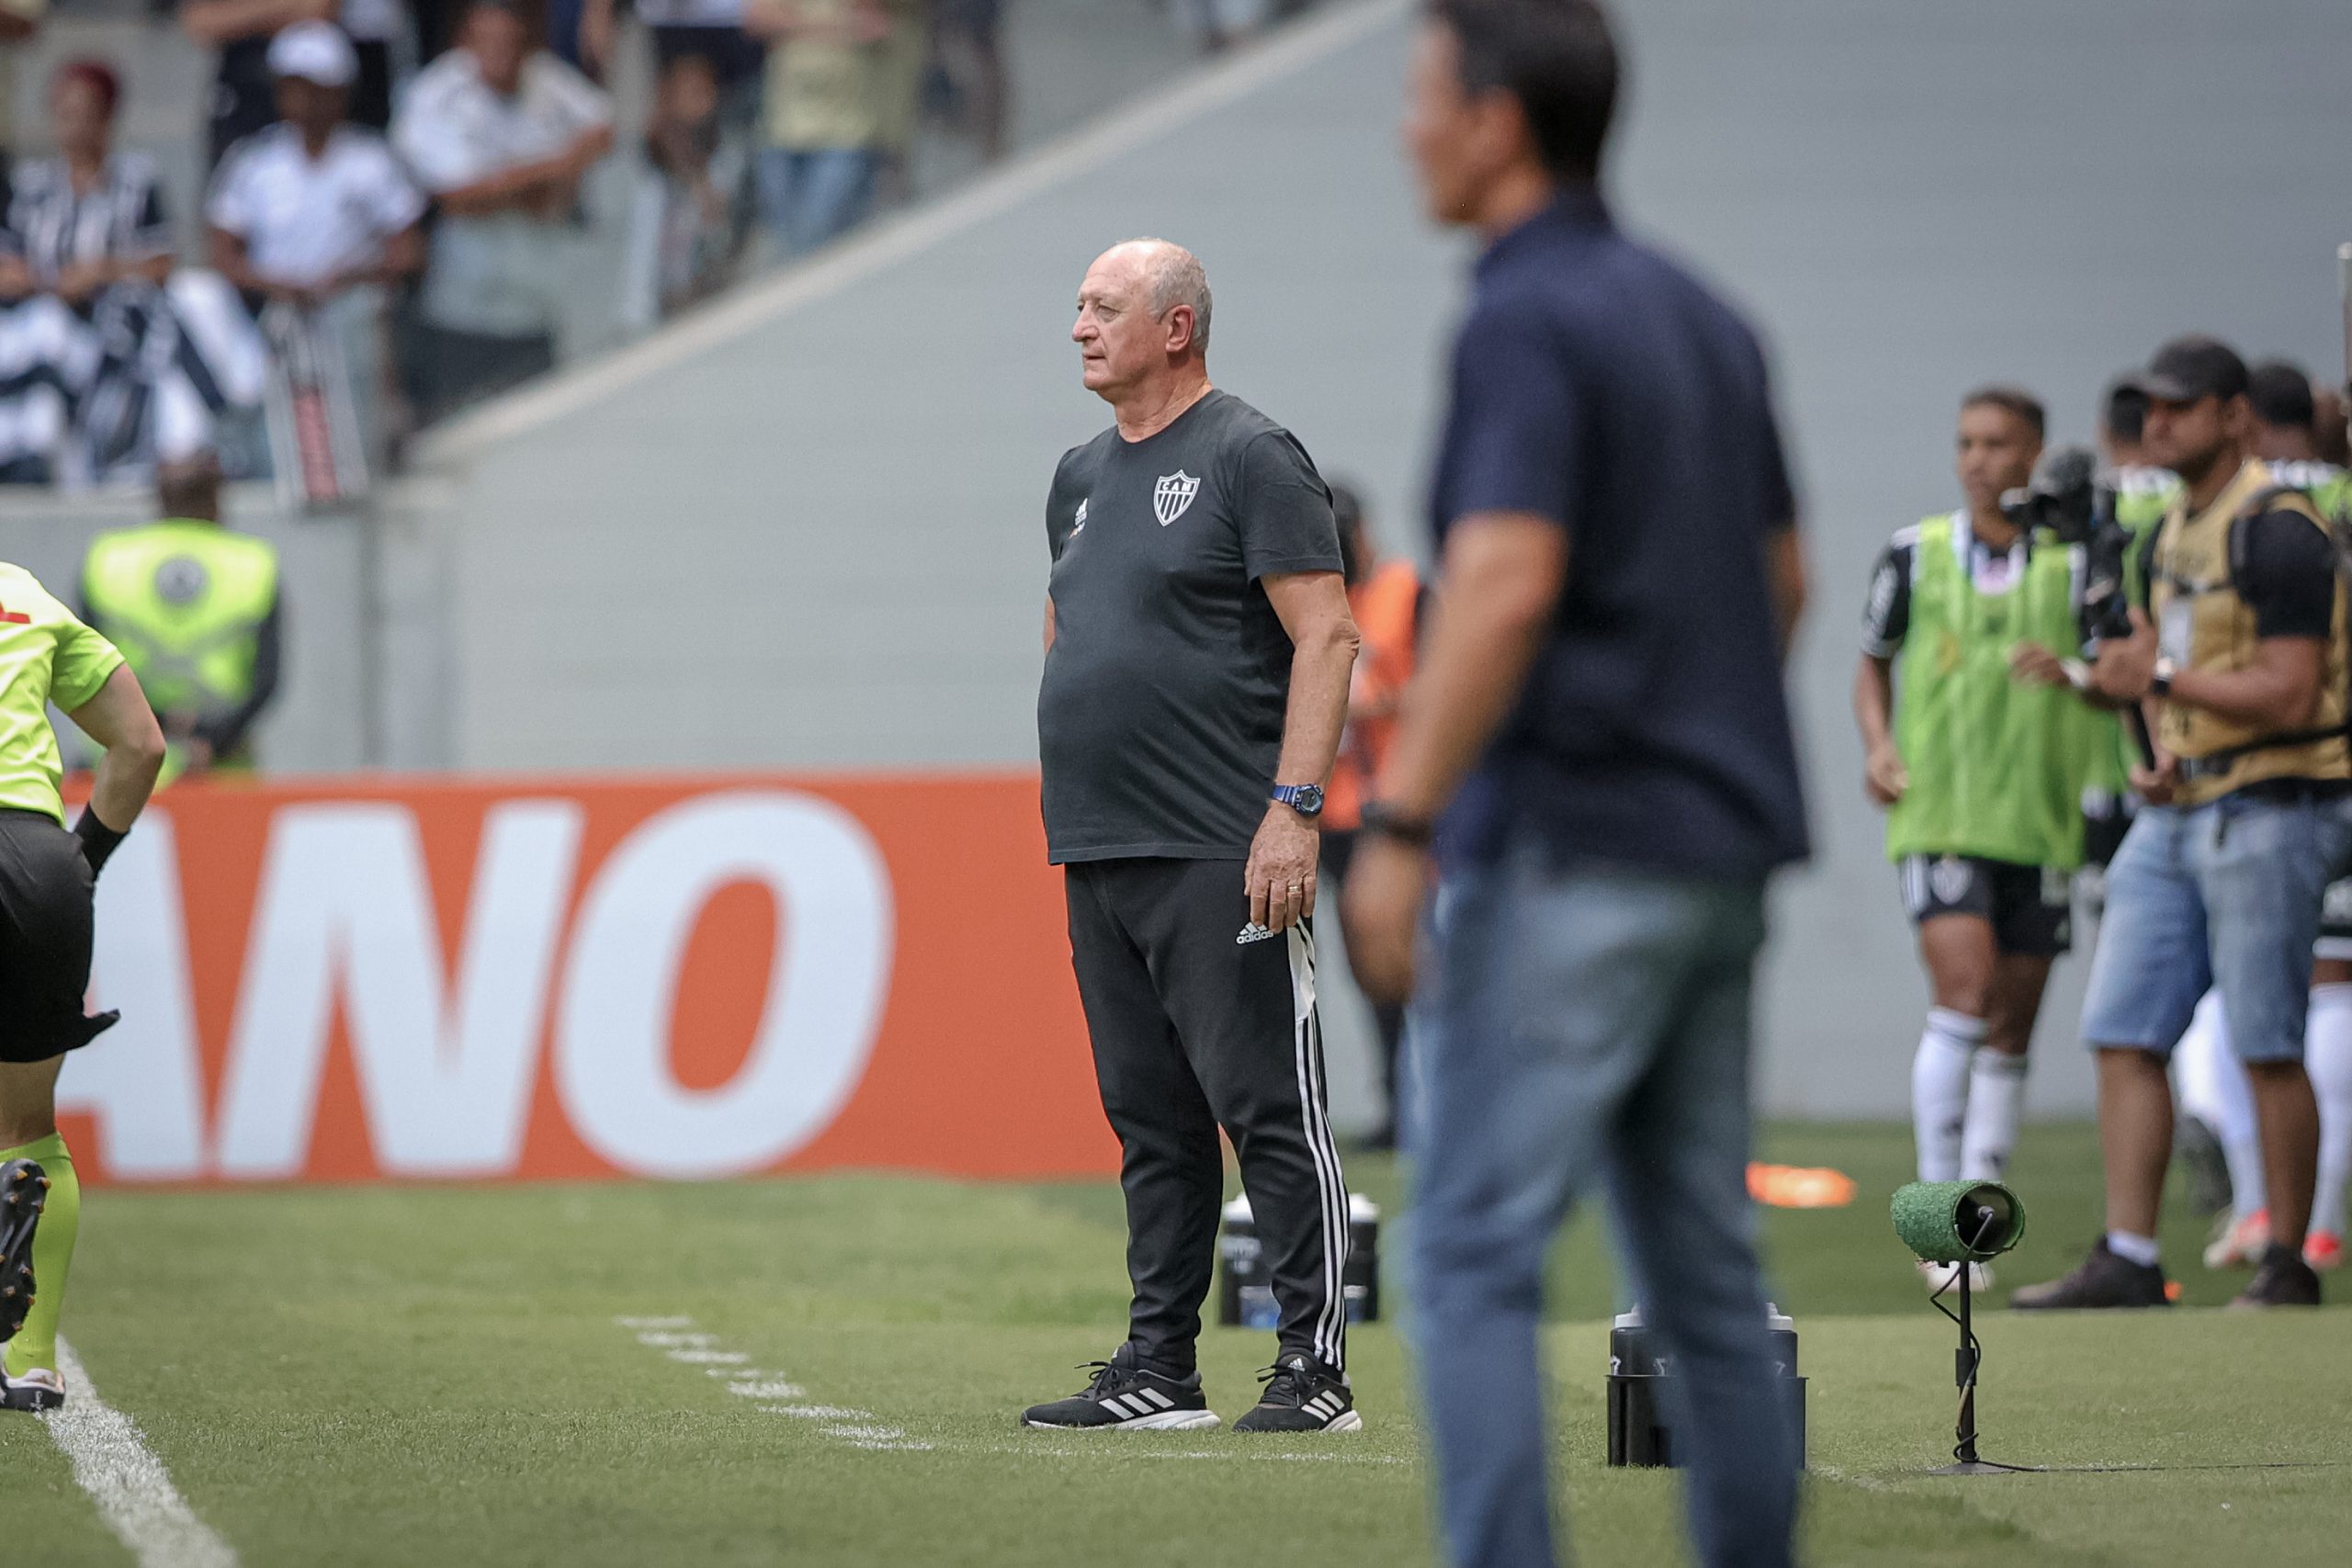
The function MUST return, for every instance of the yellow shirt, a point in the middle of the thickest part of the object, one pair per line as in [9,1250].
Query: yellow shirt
[826,90]
[46,656]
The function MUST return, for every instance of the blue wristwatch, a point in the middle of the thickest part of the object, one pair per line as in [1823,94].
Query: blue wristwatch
[1304,799]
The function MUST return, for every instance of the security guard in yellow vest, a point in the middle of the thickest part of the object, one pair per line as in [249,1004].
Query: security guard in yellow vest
[2240,656]
[194,609]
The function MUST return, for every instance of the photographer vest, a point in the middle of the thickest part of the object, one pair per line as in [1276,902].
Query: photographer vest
[2203,624]
[1997,767]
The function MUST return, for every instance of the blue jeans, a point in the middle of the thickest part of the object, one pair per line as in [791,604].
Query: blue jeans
[1591,1026]
[2225,897]
[811,195]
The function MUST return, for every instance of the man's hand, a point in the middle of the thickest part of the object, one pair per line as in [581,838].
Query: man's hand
[1380,908]
[2126,665]
[1884,776]
[1280,876]
[2037,666]
[2156,785]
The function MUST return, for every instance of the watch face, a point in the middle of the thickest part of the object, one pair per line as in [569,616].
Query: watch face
[1309,798]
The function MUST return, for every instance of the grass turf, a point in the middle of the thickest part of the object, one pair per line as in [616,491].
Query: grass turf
[435,1376]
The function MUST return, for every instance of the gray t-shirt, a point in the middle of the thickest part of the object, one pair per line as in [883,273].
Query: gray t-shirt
[1161,719]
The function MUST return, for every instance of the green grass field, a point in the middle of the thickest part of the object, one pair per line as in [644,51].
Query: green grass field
[437,1376]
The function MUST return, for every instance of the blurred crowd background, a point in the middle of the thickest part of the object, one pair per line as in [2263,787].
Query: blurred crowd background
[296,232]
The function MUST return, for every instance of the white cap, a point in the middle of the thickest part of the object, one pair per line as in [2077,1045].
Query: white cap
[316,52]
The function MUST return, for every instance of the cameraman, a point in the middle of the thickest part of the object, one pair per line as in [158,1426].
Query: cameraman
[2249,803]
[1982,774]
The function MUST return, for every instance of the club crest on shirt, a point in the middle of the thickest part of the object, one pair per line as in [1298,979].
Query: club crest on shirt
[1172,496]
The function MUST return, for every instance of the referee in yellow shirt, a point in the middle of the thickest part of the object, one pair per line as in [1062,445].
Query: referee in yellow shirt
[46,877]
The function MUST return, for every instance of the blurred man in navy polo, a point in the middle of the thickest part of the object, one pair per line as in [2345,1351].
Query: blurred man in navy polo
[1599,742]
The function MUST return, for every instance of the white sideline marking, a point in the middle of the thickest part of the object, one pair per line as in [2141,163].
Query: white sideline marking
[884,243]
[133,1490]
[858,1429]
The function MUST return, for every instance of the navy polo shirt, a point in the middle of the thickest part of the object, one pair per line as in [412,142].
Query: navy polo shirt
[1598,385]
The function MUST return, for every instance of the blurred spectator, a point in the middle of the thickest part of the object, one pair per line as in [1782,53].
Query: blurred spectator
[686,232]
[970,61]
[312,217]
[243,94]
[501,135]
[829,80]
[710,30]
[194,609]
[89,217]
[158,359]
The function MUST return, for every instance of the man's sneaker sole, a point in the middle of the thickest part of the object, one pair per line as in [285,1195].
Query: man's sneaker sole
[33,1396]
[1158,1421]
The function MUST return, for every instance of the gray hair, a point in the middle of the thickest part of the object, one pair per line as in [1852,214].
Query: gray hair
[1178,278]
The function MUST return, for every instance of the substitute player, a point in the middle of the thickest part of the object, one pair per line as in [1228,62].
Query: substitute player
[1197,652]
[1982,774]
[46,876]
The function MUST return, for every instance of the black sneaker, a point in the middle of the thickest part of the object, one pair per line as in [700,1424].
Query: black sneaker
[2284,1279]
[40,1389]
[23,1188]
[2102,1280]
[1302,1396]
[1129,1398]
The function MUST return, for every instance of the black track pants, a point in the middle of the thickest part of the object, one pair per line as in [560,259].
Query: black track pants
[1194,1031]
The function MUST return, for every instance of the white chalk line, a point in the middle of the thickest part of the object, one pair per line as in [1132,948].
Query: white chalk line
[772,1396]
[132,1490]
[677,1338]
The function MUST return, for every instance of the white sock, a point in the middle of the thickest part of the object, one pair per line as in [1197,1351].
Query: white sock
[2327,1055]
[2214,1090]
[1939,1091]
[2140,1249]
[1995,1104]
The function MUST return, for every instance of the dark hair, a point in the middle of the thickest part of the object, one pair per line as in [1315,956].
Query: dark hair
[2126,415]
[95,75]
[2015,399]
[1556,57]
[2281,395]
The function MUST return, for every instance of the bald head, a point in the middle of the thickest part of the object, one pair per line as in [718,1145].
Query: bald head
[1143,319]
[1171,276]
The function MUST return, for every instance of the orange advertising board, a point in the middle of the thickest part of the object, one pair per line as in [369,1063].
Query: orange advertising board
[465,978]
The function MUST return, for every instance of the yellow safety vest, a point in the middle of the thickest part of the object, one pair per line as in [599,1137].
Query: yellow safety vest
[184,602]
[2204,625]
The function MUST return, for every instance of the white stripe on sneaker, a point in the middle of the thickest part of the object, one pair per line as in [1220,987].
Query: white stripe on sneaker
[1158,1398]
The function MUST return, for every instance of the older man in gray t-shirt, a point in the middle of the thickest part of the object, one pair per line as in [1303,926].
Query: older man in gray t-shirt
[1197,652]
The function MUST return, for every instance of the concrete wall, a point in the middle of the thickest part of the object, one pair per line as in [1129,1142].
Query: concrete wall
[804,528]
[319,722]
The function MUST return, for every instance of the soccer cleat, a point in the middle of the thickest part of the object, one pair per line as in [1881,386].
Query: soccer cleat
[1302,1396]
[2238,1240]
[1127,1397]
[2284,1279]
[1941,1277]
[40,1389]
[2323,1250]
[2101,1280]
[24,1188]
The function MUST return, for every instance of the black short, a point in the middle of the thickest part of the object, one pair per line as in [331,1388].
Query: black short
[2031,907]
[45,927]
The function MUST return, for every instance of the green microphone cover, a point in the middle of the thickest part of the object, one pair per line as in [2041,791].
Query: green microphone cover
[1958,1222]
